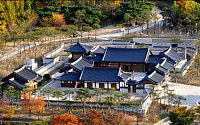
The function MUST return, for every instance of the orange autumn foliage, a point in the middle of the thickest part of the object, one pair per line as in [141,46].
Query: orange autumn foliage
[4,105]
[35,104]
[180,3]
[95,118]
[65,119]
[57,20]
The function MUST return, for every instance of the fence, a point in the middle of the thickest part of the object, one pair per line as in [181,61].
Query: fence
[165,42]
[146,102]
[46,68]
[53,52]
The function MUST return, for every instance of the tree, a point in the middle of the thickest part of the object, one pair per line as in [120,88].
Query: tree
[68,93]
[83,95]
[39,104]
[165,90]
[175,13]
[57,20]
[128,18]
[58,94]
[47,92]
[114,118]
[97,92]
[32,104]
[182,116]
[178,99]
[96,26]
[4,105]
[95,118]
[80,15]
[110,99]
[171,98]
[175,73]
[65,119]
[10,94]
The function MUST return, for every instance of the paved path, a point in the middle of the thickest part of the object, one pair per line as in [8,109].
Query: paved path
[190,92]
[27,116]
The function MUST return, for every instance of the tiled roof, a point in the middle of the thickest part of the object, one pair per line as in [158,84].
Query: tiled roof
[135,55]
[98,49]
[80,63]
[70,76]
[25,74]
[154,59]
[16,83]
[132,82]
[167,65]
[95,57]
[159,69]
[172,54]
[125,75]
[100,74]
[78,48]
[65,68]
[7,77]
[154,77]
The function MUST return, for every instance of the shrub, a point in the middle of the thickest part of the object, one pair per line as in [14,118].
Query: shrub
[39,84]
[47,76]
[182,116]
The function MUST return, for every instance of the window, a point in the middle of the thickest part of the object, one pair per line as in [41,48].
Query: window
[113,64]
[127,68]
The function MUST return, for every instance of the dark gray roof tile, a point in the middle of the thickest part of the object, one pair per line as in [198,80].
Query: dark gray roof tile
[134,55]
[100,74]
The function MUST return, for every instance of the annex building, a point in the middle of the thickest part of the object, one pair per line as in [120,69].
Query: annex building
[22,78]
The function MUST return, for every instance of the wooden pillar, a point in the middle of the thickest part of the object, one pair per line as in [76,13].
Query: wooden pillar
[131,66]
[129,88]
[134,89]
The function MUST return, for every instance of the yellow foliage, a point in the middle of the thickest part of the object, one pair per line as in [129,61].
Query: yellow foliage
[10,113]
[188,7]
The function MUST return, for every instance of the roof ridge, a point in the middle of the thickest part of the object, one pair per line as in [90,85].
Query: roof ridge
[151,74]
[147,55]
[82,72]
[164,61]
[105,54]
[168,50]
[20,69]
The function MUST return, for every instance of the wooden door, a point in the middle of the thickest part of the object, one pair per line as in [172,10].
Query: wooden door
[113,85]
[101,85]
[89,85]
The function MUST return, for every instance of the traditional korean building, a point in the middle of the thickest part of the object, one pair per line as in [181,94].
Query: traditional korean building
[128,59]
[115,68]
[155,78]
[77,50]
[93,77]
[21,78]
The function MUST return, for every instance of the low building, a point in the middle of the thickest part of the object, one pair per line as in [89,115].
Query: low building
[93,77]
[22,78]
[128,59]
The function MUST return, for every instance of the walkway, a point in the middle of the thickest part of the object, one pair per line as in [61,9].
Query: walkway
[190,92]
[26,116]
